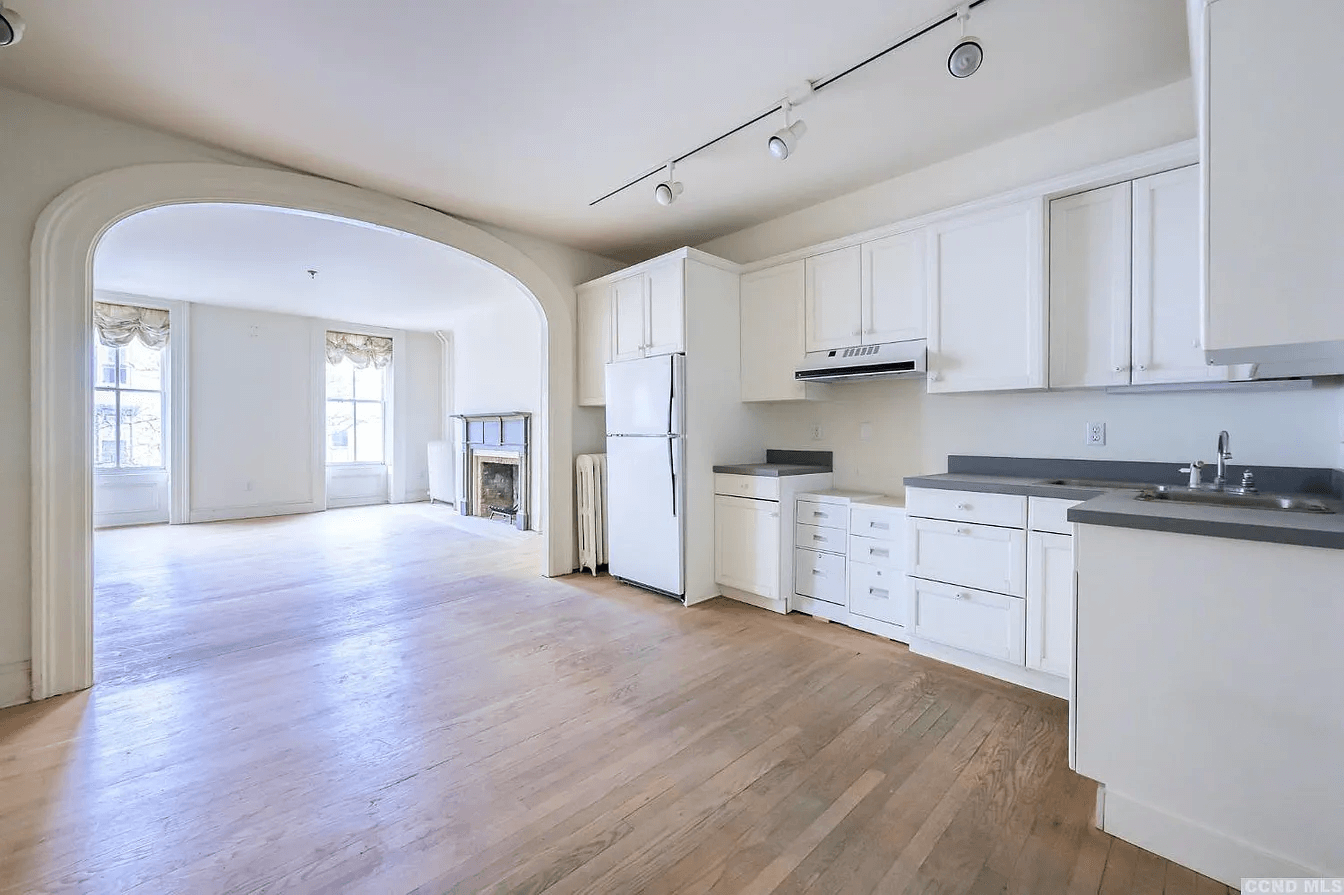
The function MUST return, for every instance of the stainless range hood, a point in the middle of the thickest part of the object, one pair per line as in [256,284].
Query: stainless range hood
[864,362]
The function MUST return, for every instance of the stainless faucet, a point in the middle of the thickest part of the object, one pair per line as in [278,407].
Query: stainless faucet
[1224,454]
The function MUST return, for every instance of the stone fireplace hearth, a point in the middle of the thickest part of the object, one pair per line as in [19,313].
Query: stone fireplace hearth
[495,469]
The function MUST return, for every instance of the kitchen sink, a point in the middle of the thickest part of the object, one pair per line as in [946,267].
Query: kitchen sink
[1278,502]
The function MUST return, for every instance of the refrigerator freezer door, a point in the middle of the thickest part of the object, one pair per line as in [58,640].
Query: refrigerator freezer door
[645,500]
[644,397]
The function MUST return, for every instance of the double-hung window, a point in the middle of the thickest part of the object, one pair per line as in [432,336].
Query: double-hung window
[356,397]
[128,402]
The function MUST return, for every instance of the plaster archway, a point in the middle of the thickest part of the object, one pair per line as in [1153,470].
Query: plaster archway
[64,241]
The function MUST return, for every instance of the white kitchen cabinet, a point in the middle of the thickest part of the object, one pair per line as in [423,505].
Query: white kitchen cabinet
[628,306]
[774,335]
[747,544]
[986,329]
[666,309]
[878,598]
[1272,136]
[877,592]
[818,575]
[648,311]
[893,288]
[1050,602]
[1090,289]
[594,301]
[1165,275]
[979,556]
[987,624]
[832,298]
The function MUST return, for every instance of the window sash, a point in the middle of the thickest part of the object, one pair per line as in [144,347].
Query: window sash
[354,404]
[116,389]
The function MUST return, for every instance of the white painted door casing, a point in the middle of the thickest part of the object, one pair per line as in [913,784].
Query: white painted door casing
[833,299]
[773,333]
[1090,288]
[1050,582]
[594,307]
[986,328]
[747,544]
[1167,345]
[894,288]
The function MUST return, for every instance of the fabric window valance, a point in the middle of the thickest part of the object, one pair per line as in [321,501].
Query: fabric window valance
[361,350]
[117,325]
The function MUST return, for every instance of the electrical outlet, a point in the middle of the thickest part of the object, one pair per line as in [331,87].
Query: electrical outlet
[816,433]
[1096,434]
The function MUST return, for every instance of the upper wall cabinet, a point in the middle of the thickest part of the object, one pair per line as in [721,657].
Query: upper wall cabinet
[1124,285]
[986,276]
[1165,274]
[866,294]
[773,334]
[648,315]
[833,301]
[1272,138]
[893,288]
[594,304]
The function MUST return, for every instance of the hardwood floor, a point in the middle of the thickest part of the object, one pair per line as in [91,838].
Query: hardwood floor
[388,700]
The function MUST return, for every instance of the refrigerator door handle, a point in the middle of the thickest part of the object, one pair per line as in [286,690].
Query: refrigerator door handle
[672,470]
[671,393]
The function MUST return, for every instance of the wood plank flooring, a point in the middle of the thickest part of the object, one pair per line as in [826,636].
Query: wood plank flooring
[389,700]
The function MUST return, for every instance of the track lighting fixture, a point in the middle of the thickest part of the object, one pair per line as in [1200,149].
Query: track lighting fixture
[966,56]
[11,27]
[783,141]
[667,192]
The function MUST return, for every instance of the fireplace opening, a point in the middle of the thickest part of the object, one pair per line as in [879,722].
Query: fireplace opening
[499,489]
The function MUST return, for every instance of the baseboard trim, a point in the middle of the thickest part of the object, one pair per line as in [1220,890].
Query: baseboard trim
[16,683]
[756,600]
[1210,852]
[1013,674]
[340,503]
[256,511]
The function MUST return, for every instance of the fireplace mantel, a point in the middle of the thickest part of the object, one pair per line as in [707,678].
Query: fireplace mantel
[495,436]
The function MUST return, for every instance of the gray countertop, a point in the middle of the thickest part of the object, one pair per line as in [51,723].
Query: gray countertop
[1116,506]
[771,469]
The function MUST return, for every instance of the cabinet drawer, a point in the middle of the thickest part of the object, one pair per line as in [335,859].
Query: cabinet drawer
[761,486]
[829,540]
[883,523]
[979,556]
[820,576]
[827,515]
[1050,514]
[877,592]
[988,624]
[1009,510]
[889,554]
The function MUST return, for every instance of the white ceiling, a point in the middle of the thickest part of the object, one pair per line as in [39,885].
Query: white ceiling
[246,256]
[520,113]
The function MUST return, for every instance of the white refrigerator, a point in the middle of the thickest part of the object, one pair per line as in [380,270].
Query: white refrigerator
[646,487]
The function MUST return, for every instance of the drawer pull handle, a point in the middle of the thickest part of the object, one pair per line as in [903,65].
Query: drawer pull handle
[963,506]
[881,525]
[962,595]
[821,515]
[878,592]
[878,551]
[819,573]
[963,531]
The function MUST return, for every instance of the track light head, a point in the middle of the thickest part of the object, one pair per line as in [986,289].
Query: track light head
[966,56]
[784,141]
[11,27]
[667,192]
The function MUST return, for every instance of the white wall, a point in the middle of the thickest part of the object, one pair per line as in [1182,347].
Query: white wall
[253,420]
[497,367]
[47,148]
[419,412]
[912,432]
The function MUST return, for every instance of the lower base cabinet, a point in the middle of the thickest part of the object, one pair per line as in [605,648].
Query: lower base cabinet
[1050,592]
[977,621]
[877,593]
[746,544]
